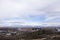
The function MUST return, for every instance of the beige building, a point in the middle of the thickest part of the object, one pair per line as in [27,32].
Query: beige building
[29,29]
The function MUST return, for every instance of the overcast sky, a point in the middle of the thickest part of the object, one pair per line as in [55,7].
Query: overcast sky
[30,12]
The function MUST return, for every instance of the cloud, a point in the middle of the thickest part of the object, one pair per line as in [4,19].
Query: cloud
[28,7]
[40,12]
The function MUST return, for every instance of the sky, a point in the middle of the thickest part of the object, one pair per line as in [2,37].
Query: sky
[30,12]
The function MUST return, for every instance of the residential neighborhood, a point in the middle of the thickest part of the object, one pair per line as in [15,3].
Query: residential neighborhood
[29,33]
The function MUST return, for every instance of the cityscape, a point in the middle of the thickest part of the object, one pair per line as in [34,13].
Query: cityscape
[29,19]
[29,33]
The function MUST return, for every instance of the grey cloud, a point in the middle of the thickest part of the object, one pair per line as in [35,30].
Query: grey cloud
[25,8]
